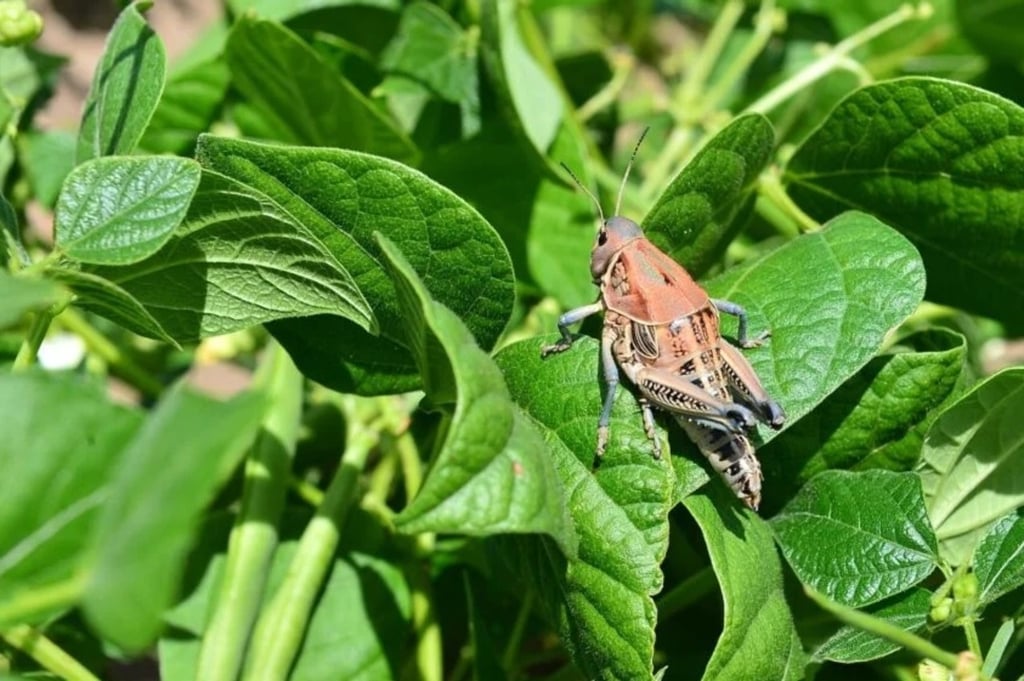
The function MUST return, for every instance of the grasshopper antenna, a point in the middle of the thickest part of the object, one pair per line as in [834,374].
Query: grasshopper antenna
[629,166]
[585,191]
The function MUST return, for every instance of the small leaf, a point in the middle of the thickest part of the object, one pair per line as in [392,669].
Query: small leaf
[757,617]
[973,461]
[999,559]
[156,496]
[858,538]
[306,99]
[909,611]
[237,261]
[20,295]
[125,89]
[535,107]
[431,49]
[492,474]
[600,600]
[704,207]
[48,157]
[342,197]
[942,162]
[109,300]
[116,211]
[877,418]
[51,496]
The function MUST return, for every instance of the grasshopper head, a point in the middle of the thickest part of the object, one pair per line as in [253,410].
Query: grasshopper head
[615,233]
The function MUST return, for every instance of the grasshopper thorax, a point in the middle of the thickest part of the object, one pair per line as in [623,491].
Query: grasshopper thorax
[615,234]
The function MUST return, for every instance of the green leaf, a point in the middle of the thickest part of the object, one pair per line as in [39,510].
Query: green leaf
[237,261]
[757,617]
[534,106]
[304,98]
[117,211]
[431,49]
[492,474]
[942,162]
[704,207]
[838,291]
[55,474]
[146,526]
[106,298]
[877,418]
[342,197]
[601,598]
[973,461]
[189,104]
[125,89]
[286,9]
[858,538]
[993,27]
[909,611]
[999,559]
[20,295]
[47,157]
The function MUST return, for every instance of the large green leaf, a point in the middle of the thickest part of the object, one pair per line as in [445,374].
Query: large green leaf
[238,260]
[877,418]
[47,158]
[153,508]
[342,198]
[703,208]
[749,572]
[600,599]
[303,98]
[56,472]
[116,211]
[492,474]
[972,464]
[125,89]
[942,162]
[860,537]
[188,106]
[999,559]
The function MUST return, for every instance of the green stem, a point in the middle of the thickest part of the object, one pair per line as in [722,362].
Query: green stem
[689,93]
[837,54]
[770,188]
[515,640]
[102,347]
[764,27]
[47,653]
[622,67]
[873,625]
[427,663]
[971,634]
[29,350]
[282,624]
[686,593]
[43,599]
[254,536]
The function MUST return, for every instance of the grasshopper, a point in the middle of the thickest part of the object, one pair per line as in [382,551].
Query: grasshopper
[662,330]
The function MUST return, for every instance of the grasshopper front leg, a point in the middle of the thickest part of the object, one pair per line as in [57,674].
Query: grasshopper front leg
[736,310]
[564,322]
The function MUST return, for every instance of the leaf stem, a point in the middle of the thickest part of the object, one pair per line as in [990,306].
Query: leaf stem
[427,664]
[873,625]
[622,67]
[48,654]
[764,27]
[770,188]
[29,350]
[101,346]
[689,93]
[44,599]
[282,624]
[254,536]
[834,56]
[515,639]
